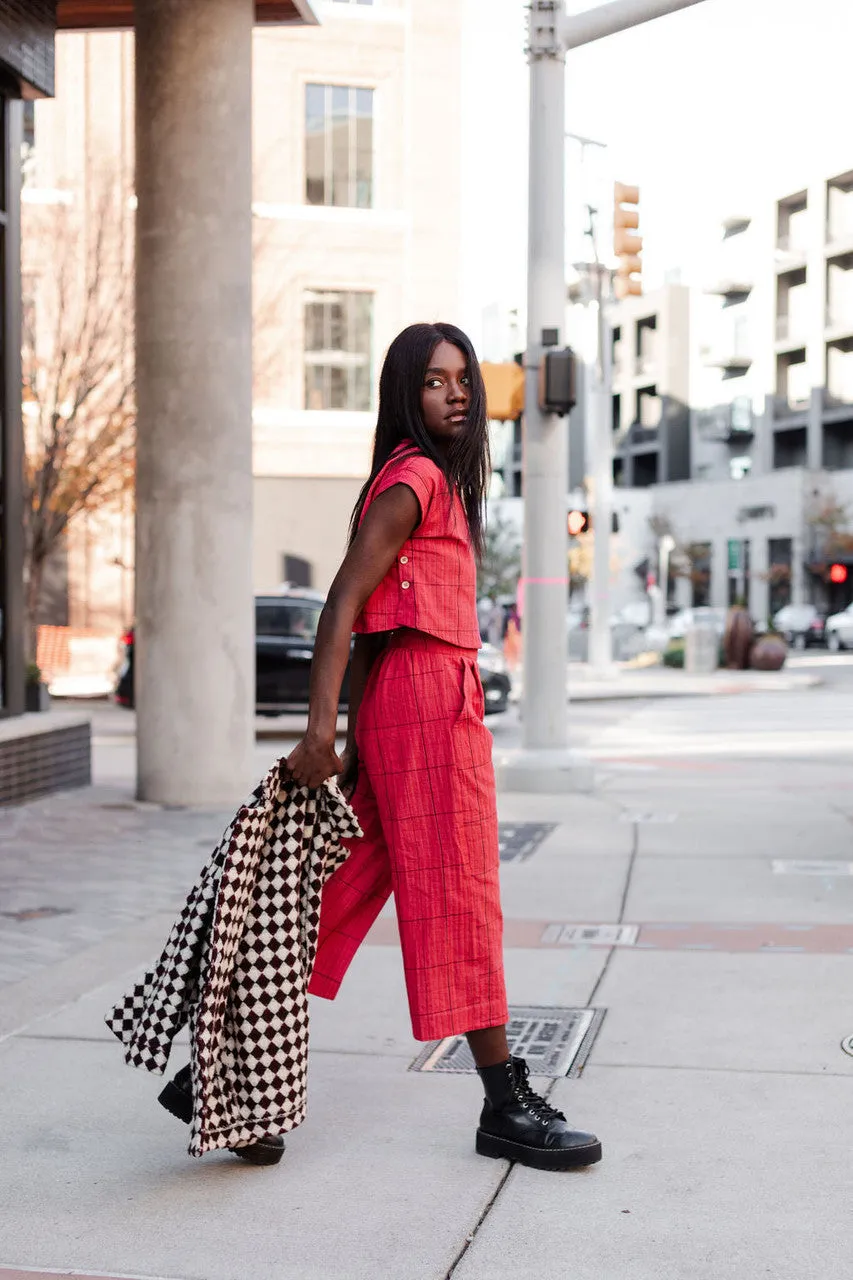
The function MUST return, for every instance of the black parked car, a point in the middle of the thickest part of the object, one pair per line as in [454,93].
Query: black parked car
[801,625]
[285,627]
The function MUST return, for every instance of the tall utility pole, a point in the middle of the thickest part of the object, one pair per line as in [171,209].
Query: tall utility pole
[600,472]
[544,763]
[546,439]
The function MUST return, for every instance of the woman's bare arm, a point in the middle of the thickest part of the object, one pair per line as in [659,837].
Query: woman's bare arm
[390,520]
[366,650]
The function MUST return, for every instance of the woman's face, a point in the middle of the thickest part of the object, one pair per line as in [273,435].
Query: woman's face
[446,394]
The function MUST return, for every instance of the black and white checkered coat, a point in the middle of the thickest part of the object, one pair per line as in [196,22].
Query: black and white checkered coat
[237,964]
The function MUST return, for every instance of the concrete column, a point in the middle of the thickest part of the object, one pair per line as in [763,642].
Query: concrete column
[758,587]
[195,650]
[720,573]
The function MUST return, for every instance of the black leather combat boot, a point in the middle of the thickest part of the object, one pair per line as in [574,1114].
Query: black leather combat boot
[177,1098]
[518,1124]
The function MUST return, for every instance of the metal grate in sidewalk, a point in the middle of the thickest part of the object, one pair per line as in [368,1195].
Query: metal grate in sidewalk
[518,841]
[555,1042]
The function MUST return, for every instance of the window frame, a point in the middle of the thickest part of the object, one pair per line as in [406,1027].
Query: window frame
[315,294]
[353,85]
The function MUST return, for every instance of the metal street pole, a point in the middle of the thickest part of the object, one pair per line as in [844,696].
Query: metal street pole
[546,458]
[600,467]
[619,15]
[545,764]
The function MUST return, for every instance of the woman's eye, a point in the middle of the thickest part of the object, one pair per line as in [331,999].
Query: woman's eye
[466,381]
[432,383]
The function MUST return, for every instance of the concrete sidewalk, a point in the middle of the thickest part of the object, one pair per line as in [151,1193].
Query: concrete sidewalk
[717,1081]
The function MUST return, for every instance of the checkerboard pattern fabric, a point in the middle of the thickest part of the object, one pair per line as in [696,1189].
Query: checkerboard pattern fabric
[236,966]
[426,803]
[432,586]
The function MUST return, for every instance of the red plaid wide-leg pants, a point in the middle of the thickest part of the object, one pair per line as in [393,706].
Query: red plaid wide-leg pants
[426,804]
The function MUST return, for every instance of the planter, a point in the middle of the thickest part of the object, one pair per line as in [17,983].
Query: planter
[768,654]
[37,697]
[738,639]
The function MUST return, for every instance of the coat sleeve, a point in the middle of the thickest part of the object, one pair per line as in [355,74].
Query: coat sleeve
[152,1013]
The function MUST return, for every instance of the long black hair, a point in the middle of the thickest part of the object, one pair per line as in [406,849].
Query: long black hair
[466,466]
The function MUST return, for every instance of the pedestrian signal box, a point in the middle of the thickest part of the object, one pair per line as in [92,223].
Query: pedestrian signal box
[557,381]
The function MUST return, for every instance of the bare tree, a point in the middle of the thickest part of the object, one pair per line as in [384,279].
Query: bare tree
[78,370]
[500,568]
[830,523]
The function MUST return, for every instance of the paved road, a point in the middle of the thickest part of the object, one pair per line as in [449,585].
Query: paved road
[719,837]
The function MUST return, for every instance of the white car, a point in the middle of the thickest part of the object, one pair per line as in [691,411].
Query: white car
[839,630]
[680,623]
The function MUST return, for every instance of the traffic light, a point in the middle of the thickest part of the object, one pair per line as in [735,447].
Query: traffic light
[838,574]
[627,245]
[504,390]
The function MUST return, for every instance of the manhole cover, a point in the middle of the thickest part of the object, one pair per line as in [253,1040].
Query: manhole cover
[555,1042]
[649,817]
[847,1045]
[35,913]
[601,935]
[518,840]
[811,867]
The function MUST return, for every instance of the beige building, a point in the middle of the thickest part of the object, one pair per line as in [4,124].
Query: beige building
[357,190]
[357,202]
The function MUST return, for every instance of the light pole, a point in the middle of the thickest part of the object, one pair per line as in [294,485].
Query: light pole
[545,763]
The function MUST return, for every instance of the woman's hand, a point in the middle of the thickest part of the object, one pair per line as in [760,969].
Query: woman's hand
[348,776]
[312,761]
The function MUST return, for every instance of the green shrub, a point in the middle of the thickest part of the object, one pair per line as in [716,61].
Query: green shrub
[673,654]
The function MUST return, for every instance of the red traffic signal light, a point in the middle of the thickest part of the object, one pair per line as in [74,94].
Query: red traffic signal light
[838,574]
[578,522]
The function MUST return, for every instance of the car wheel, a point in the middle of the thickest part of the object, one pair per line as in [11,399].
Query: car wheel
[833,642]
[799,641]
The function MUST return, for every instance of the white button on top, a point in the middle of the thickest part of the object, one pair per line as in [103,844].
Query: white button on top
[404,559]
[405,585]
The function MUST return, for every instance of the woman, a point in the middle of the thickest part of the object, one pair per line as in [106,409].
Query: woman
[418,759]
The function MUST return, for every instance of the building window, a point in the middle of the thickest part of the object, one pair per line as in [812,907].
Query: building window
[700,573]
[739,569]
[780,558]
[338,340]
[648,408]
[339,146]
[352,1]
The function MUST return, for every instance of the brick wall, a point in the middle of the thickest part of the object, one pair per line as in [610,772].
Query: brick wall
[27,30]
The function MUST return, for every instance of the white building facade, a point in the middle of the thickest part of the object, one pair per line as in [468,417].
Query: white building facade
[765,353]
[357,203]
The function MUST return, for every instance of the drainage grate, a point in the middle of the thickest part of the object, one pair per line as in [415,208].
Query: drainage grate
[35,913]
[518,840]
[601,935]
[555,1042]
[811,867]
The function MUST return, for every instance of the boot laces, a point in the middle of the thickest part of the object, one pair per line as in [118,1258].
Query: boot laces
[531,1101]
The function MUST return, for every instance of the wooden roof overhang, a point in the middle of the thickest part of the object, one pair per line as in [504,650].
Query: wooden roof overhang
[117,15]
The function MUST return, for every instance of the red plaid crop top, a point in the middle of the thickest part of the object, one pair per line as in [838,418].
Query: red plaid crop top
[432,585]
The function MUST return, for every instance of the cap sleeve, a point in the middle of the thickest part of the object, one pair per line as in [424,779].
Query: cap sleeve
[421,475]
